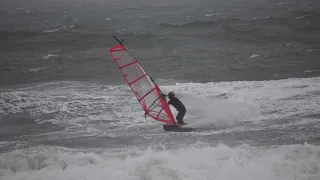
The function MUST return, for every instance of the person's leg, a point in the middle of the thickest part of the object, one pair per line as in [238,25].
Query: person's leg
[180,116]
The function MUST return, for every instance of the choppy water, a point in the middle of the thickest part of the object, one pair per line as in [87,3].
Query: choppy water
[248,72]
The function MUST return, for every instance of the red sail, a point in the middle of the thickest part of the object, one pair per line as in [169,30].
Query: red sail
[146,91]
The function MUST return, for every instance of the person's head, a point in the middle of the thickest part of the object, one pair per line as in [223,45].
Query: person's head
[171,95]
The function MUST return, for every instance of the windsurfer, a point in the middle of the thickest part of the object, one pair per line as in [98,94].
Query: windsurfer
[175,102]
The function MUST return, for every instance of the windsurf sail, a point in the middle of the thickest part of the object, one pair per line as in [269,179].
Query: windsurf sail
[142,85]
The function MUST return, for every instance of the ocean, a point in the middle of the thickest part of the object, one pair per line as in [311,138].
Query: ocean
[248,72]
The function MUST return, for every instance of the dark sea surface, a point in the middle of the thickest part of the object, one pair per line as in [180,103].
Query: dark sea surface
[248,72]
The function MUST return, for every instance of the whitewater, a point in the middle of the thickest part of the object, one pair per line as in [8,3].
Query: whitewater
[84,130]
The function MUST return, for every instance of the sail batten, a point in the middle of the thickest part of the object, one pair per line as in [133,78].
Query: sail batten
[145,95]
[128,64]
[138,79]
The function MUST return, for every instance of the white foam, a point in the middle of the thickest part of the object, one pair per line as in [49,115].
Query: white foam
[4,143]
[75,105]
[218,112]
[52,30]
[199,162]
[50,55]
[55,30]
[213,14]
[34,69]
[305,121]
[254,55]
[222,104]
[120,30]
[248,100]
[159,5]
[311,71]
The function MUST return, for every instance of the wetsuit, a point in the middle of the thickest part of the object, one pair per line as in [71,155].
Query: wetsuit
[175,102]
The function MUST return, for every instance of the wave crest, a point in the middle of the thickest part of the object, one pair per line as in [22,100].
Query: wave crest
[199,23]
[205,162]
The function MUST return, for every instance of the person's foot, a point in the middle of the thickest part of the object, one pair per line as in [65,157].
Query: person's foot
[181,123]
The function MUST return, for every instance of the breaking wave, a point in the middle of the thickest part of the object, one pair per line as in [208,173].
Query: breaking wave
[192,162]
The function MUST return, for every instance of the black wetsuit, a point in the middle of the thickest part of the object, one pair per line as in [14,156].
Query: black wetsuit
[175,102]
